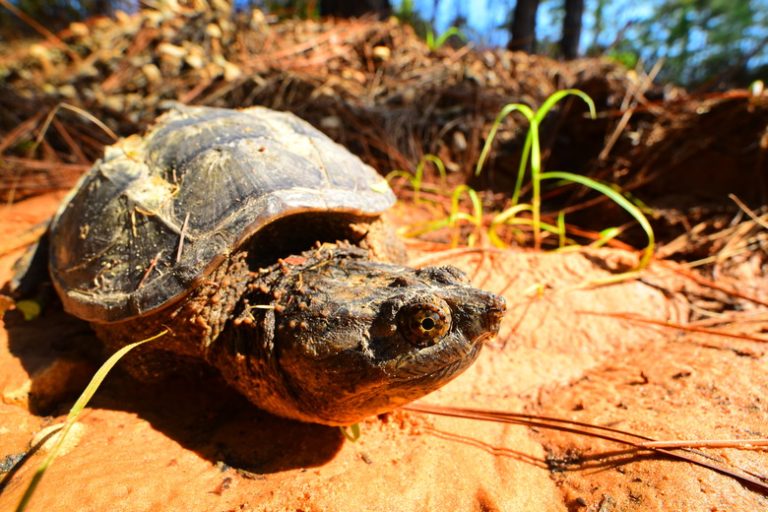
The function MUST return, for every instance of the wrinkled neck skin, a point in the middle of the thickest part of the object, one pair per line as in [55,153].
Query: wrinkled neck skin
[331,337]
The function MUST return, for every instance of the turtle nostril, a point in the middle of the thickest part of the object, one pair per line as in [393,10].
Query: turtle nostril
[495,310]
[498,305]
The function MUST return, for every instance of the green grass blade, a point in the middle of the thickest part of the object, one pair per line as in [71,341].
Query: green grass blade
[477,206]
[606,236]
[74,413]
[430,39]
[561,229]
[351,432]
[476,217]
[533,132]
[427,227]
[550,228]
[617,198]
[536,183]
[437,162]
[508,109]
[417,179]
[521,168]
[399,174]
[504,217]
[30,308]
[452,31]
[414,181]
[559,96]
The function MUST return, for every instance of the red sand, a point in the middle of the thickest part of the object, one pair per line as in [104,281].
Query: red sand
[161,447]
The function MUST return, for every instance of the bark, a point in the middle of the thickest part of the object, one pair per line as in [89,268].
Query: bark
[523,27]
[569,44]
[346,9]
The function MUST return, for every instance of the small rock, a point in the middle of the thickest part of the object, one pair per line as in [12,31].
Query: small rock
[382,53]
[152,73]
[43,55]
[169,7]
[172,50]
[353,74]
[58,381]
[47,438]
[114,102]
[20,395]
[123,18]
[258,20]
[8,463]
[459,141]
[231,72]
[213,30]
[68,91]
[330,123]
[195,57]
[79,29]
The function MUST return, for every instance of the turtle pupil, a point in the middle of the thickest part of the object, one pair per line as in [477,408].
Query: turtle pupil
[424,323]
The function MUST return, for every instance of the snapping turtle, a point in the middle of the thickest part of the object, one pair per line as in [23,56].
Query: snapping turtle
[223,226]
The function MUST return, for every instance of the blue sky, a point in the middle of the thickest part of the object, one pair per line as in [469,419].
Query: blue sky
[486,20]
[487,17]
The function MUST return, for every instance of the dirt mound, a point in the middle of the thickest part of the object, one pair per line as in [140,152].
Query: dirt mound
[373,86]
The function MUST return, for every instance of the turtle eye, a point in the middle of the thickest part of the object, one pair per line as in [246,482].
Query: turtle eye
[424,323]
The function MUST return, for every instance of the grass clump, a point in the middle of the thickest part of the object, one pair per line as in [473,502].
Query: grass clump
[456,216]
[434,42]
[518,213]
[416,179]
[531,156]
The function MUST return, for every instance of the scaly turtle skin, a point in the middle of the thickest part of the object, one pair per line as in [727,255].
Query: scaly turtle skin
[221,226]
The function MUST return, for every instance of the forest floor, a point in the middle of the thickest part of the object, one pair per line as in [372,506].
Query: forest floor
[678,353]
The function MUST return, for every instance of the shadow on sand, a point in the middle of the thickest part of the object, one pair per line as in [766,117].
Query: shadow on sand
[201,414]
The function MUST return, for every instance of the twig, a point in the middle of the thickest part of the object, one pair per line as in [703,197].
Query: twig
[627,115]
[453,253]
[711,284]
[42,165]
[50,36]
[152,265]
[24,128]
[70,142]
[586,429]
[182,235]
[752,215]
[744,444]
[673,325]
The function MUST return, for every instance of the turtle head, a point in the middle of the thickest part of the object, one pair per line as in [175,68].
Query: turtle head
[354,337]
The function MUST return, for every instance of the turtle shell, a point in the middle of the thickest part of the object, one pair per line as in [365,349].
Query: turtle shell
[158,213]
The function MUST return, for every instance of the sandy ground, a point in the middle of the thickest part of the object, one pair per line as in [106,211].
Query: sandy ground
[199,446]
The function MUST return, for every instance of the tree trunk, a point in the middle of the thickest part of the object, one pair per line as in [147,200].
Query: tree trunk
[594,47]
[346,9]
[569,44]
[523,27]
